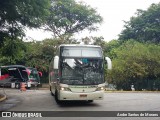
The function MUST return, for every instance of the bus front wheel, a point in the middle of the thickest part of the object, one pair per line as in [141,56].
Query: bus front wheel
[56,98]
[90,101]
[51,91]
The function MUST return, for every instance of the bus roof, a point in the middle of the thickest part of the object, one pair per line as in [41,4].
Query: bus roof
[11,66]
[78,45]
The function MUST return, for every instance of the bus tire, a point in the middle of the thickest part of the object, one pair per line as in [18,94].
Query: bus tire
[51,92]
[50,88]
[90,101]
[56,98]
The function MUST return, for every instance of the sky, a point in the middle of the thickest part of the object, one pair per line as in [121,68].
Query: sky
[114,13]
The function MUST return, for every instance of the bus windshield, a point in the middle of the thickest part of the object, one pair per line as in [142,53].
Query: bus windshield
[82,71]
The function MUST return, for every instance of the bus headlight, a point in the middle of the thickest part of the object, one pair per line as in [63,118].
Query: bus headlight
[65,89]
[100,88]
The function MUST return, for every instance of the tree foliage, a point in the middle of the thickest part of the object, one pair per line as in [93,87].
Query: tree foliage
[93,41]
[135,63]
[68,17]
[145,27]
[16,14]
[12,52]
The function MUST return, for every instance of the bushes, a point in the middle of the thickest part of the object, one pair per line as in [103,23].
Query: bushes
[135,63]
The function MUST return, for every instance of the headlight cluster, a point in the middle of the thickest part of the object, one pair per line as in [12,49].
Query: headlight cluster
[65,89]
[100,88]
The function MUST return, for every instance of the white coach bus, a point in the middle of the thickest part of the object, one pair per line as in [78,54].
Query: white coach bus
[77,73]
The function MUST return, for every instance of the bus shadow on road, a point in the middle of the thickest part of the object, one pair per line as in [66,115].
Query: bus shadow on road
[78,104]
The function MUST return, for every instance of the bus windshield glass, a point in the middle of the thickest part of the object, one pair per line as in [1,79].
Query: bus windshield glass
[82,71]
[81,52]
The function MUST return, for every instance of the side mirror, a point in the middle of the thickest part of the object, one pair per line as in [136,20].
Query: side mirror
[56,61]
[109,62]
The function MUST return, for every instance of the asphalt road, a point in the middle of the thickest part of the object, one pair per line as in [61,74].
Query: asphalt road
[41,100]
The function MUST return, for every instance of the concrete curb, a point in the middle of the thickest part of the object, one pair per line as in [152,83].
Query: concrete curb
[132,91]
[3,98]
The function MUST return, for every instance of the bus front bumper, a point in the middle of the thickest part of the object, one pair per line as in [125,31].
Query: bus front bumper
[68,95]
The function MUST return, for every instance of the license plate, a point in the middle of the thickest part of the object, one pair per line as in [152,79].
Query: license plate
[83,95]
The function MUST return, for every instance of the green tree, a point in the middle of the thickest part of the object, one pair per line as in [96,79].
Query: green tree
[38,55]
[68,17]
[86,40]
[145,27]
[135,63]
[110,48]
[98,41]
[93,41]
[15,15]
[12,52]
